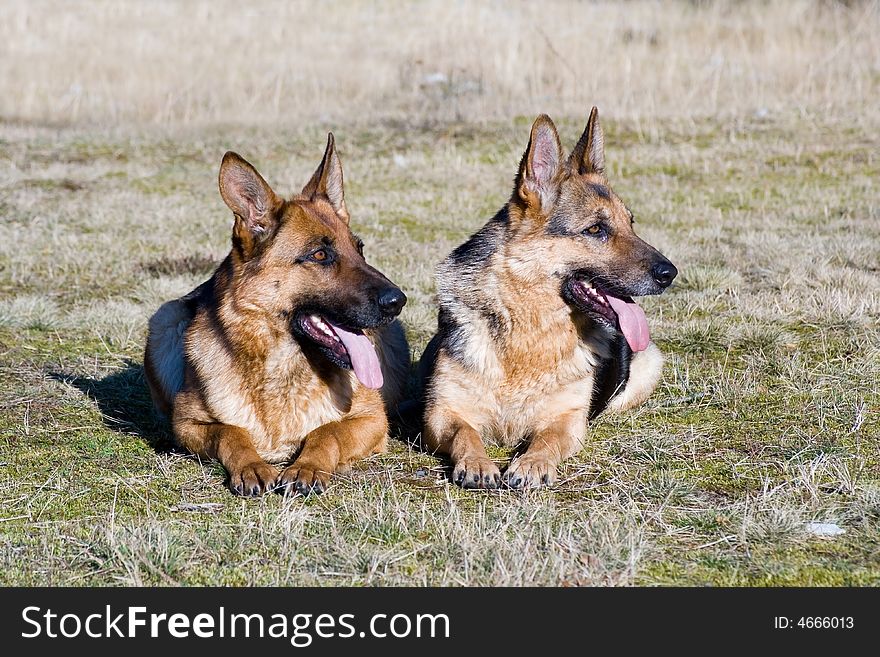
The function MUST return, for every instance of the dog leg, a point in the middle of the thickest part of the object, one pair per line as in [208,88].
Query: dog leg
[333,447]
[549,447]
[471,466]
[232,446]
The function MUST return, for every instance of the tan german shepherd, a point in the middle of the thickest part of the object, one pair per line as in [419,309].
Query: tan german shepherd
[537,331]
[290,348]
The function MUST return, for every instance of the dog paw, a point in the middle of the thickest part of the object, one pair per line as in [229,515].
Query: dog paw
[476,472]
[530,472]
[303,479]
[253,479]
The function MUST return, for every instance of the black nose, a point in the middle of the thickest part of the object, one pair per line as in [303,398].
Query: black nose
[391,301]
[663,272]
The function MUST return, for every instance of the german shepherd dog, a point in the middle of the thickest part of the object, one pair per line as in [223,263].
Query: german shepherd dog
[537,330]
[291,347]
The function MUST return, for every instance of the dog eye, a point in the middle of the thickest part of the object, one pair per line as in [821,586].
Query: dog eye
[595,229]
[323,256]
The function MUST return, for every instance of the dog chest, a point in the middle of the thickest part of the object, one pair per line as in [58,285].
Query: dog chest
[292,402]
[508,400]
[279,404]
[529,400]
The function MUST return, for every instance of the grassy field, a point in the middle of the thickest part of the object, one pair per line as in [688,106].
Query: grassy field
[768,415]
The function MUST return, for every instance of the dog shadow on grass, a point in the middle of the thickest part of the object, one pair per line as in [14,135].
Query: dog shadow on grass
[125,404]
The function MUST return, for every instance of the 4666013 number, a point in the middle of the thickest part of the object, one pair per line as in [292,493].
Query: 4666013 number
[815,623]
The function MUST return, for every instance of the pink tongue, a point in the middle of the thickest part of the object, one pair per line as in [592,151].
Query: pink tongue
[633,323]
[363,357]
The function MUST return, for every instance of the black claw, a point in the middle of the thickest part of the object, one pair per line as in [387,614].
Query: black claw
[472,482]
[459,479]
[545,480]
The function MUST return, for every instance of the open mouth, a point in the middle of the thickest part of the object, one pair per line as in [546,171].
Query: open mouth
[618,311]
[346,348]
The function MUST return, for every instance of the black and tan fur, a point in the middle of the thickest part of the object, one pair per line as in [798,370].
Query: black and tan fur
[235,364]
[520,358]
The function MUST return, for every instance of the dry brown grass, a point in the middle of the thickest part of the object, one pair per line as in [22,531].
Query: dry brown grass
[195,62]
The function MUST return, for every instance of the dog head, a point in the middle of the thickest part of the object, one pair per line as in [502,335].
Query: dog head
[296,261]
[581,233]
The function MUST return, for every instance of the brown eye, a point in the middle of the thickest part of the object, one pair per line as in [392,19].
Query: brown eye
[597,230]
[323,256]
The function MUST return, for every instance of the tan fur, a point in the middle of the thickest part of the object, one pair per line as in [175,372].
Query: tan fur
[224,361]
[541,370]
[515,360]
[645,371]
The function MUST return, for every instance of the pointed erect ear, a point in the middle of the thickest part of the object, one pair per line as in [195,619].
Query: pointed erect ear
[250,198]
[327,180]
[589,154]
[536,180]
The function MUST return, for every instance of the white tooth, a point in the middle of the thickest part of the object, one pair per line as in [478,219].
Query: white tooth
[315,319]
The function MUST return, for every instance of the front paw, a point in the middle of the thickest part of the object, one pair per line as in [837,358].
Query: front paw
[303,479]
[530,472]
[476,472]
[253,479]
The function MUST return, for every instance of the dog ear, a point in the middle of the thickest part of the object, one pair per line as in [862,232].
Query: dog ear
[251,200]
[540,164]
[589,154]
[327,180]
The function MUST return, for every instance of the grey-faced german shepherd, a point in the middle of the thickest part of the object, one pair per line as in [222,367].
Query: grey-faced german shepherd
[291,349]
[537,330]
